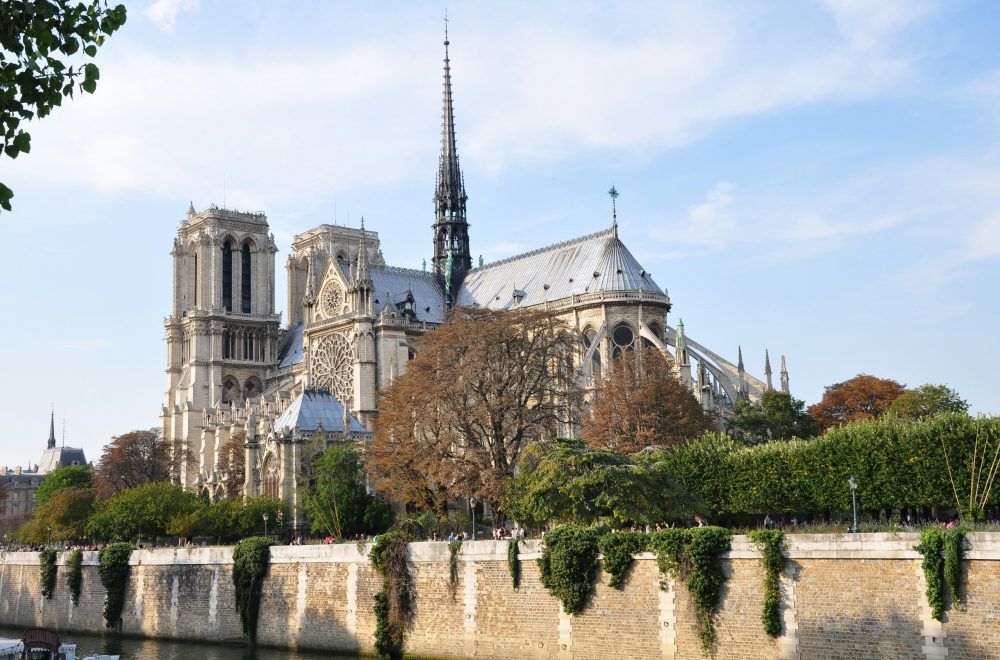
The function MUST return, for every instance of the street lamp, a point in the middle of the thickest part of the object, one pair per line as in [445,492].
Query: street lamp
[265,524]
[472,505]
[854,500]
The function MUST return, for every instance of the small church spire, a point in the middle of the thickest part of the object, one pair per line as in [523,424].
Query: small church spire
[784,376]
[52,428]
[767,370]
[613,194]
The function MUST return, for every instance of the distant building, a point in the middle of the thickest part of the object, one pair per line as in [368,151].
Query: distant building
[21,484]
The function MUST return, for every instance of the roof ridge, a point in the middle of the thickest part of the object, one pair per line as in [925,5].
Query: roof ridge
[405,271]
[547,248]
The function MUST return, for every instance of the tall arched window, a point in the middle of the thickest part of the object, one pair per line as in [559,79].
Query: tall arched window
[588,339]
[227,275]
[245,280]
[195,279]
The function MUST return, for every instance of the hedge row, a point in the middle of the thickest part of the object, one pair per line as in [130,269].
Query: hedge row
[897,464]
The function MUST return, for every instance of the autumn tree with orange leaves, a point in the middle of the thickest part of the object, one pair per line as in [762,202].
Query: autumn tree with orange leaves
[482,387]
[642,404]
[133,459]
[862,397]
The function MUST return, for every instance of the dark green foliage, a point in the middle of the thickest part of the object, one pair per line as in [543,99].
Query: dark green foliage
[454,548]
[146,510]
[38,41]
[777,416]
[71,476]
[693,556]
[514,563]
[932,548]
[618,550]
[954,552]
[926,401]
[251,558]
[114,570]
[232,519]
[74,574]
[394,602]
[335,497]
[770,543]
[569,565]
[47,566]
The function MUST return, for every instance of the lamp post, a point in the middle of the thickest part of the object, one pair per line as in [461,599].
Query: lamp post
[472,505]
[854,501]
[265,524]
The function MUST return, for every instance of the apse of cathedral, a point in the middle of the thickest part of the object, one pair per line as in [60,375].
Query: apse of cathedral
[232,368]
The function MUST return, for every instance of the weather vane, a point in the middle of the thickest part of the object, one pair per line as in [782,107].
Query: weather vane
[613,194]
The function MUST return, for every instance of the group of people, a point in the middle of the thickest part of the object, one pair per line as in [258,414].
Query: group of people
[502,533]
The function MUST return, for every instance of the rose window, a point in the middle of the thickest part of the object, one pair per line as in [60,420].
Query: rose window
[331,300]
[333,366]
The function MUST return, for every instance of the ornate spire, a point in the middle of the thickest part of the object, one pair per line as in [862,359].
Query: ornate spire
[52,429]
[613,194]
[784,376]
[451,228]
[741,383]
[362,273]
[767,370]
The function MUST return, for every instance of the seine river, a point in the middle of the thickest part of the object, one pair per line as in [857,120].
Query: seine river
[136,649]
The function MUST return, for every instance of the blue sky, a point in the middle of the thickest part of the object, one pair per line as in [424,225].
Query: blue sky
[818,179]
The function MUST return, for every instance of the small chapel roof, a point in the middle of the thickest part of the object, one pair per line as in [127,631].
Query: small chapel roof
[315,409]
[588,264]
[57,457]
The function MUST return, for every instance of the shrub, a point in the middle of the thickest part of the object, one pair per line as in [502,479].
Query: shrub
[931,547]
[114,570]
[514,563]
[619,549]
[569,565]
[454,548]
[251,558]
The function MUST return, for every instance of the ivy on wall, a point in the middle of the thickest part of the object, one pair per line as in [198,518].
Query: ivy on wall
[954,553]
[569,565]
[251,558]
[74,574]
[454,549]
[694,556]
[771,543]
[394,602]
[114,571]
[47,566]
[619,550]
[943,551]
[514,563]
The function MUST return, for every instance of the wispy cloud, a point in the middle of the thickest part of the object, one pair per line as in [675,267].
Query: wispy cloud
[164,12]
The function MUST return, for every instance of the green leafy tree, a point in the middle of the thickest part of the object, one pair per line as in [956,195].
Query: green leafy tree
[39,40]
[145,510]
[62,517]
[777,416]
[71,476]
[230,519]
[564,481]
[336,499]
[925,401]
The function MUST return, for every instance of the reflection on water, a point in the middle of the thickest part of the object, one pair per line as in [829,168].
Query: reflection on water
[141,649]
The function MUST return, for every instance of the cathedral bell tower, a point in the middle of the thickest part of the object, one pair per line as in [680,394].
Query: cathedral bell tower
[222,332]
[452,258]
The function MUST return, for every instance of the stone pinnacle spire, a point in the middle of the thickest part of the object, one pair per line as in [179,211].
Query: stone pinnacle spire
[451,228]
[767,370]
[784,376]
[52,429]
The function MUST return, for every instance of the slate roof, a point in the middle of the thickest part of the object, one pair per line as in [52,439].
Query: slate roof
[291,348]
[57,457]
[589,264]
[312,409]
[428,296]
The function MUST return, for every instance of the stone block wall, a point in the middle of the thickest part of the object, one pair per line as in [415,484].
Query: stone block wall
[842,596]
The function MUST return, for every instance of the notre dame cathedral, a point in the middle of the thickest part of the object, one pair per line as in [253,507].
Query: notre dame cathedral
[233,368]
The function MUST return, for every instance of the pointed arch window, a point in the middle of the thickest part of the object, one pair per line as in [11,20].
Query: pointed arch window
[227,275]
[245,279]
[623,339]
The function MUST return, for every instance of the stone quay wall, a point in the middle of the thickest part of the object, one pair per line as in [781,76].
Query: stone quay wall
[842,596]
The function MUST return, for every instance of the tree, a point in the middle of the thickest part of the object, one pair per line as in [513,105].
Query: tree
[231,519]
[862,397]
[777,416]
[70,476]
[925,401]
[232,462]
[642,404]
[62,517]
[133,459]
[335,497]
[483,386]
[37,41]
[562,481]
[144,510]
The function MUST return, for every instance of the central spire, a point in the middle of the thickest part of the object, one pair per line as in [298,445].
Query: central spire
[451,229]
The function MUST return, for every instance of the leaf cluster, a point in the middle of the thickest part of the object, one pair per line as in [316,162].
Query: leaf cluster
[251,558]
[70,476]
[335,497]
[861,397]
[618,550]
[74,574]
[47,567]
[932,548]
[777,416]
[771,544]
[39,40]
[569,565]
[394,601]
[114,570]
[63,516]
[514,562]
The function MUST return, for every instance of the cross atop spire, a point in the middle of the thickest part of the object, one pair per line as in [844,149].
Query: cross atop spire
[613,194]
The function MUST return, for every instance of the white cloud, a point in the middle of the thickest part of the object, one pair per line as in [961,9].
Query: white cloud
[709,224]
[164,12]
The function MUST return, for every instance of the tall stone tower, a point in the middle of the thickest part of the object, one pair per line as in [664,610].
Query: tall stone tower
[222,333]
[451,228]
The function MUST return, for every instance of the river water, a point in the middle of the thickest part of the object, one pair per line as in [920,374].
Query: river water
[140,649]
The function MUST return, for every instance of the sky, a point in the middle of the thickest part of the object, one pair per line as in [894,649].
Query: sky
[818,179]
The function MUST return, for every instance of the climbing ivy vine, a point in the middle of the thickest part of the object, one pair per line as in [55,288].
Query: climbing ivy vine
[514,563]
[394,602]
[619,550]
[454,549]
[74,574]
[569,565]
[943,551]
[954,553]
[47,566]
[114,571]
[771,543]
[251,558]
